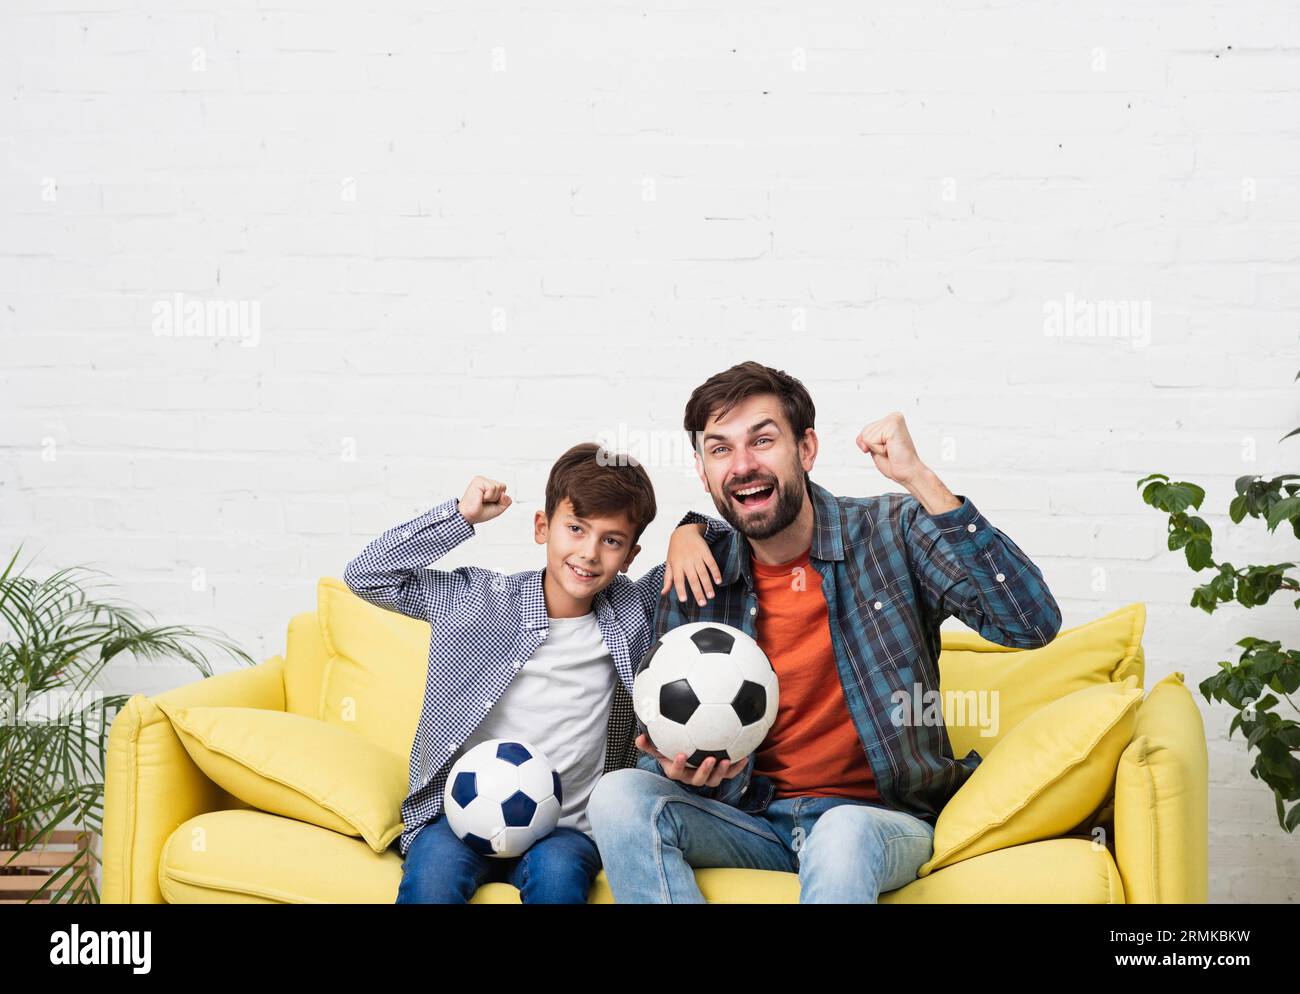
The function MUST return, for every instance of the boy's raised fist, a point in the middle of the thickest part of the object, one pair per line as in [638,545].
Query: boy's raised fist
[484,499]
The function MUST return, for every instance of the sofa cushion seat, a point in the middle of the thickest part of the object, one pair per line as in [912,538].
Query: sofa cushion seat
[243,856]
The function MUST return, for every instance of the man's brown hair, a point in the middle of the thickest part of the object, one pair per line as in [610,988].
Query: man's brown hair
[602,483]
[721,392]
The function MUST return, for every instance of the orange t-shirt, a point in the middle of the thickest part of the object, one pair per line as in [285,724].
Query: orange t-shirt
[813,747]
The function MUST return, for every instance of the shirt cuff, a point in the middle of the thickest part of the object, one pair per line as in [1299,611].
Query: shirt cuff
[452,526]
[963,527]
[450,512]
[714,528]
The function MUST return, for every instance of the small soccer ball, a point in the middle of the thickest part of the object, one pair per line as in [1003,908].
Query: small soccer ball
[501,797]
[706,690]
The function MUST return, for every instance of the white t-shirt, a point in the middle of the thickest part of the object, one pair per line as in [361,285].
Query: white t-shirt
[559,701]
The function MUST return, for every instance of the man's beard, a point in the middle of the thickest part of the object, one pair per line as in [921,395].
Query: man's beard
[789,502]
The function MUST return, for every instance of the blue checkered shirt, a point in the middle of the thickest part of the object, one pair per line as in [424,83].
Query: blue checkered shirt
[891,573]
[484,626]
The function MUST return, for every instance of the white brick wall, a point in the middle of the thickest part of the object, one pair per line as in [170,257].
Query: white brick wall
[478,237]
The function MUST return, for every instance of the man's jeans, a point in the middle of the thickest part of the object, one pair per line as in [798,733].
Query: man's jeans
[440,869]
[652,832]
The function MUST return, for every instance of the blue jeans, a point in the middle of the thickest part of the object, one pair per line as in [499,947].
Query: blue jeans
[652,833]
[440,869]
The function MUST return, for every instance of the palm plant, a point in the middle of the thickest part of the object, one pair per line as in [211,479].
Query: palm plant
[56,636]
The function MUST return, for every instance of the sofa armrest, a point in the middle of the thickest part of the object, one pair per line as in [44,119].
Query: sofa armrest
[1162,801]
[150,783]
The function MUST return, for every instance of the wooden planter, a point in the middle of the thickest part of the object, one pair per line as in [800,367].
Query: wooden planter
[20,879]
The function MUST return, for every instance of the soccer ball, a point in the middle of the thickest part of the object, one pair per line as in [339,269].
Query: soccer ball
[706,690]
[501,797]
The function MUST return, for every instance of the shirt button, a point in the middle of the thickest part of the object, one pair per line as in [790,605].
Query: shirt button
[1001,577]
[753,611]
[970,527]
[877,605]
[518,663]
[406,534]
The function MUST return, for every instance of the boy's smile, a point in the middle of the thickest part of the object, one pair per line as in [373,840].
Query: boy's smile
[585,576]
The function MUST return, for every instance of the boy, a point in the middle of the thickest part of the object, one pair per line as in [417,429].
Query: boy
[545,656]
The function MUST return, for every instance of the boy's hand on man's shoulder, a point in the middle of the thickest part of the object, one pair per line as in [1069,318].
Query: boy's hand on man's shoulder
[484,500]
[690,561]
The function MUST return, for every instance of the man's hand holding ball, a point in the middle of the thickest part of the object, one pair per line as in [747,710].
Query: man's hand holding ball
[710,773]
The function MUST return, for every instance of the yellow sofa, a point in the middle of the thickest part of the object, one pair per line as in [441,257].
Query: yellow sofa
[172,835]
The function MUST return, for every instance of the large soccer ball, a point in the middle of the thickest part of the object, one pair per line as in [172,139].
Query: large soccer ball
[501,797]
[706,690]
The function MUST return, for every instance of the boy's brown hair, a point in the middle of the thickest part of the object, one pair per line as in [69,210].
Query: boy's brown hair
[723,391]
[599,482]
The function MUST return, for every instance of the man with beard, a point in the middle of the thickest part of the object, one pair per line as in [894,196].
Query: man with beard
[846,596]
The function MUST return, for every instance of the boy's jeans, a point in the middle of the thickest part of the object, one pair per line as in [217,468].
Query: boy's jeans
[652,832]
[440,869]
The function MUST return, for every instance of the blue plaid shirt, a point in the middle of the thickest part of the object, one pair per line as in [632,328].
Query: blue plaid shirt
[484,626]
[891,573]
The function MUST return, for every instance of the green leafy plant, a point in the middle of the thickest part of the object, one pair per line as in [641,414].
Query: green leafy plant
[56,640]
[1265,674]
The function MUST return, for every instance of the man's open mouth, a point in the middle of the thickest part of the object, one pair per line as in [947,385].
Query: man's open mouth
[753,495]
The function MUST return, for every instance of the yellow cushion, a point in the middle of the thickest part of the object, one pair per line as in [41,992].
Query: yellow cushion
[250,857]
[298,767]
[377,663]
[1069,870]
[988,688]
[1046,775]
[1162,800]
[244,856]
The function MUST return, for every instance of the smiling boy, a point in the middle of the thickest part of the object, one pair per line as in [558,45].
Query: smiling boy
[543,656]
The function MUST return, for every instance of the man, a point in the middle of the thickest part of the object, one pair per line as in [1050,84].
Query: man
[845,595]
